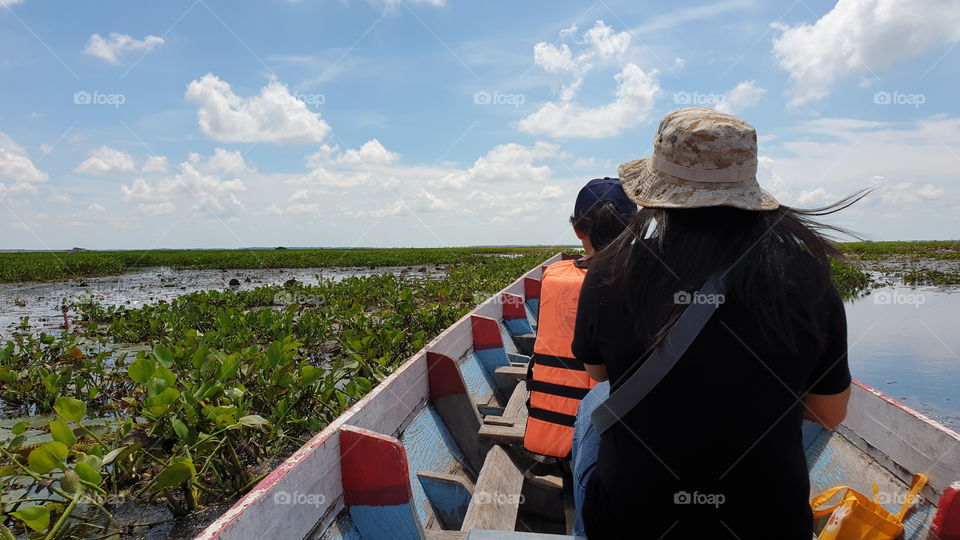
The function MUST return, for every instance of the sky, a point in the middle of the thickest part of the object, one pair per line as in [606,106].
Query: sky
[216,123]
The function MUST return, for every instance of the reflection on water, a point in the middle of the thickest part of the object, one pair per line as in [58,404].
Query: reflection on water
[906,343]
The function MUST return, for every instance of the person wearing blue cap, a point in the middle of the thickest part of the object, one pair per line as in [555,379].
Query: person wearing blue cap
[556,380]
[601,213]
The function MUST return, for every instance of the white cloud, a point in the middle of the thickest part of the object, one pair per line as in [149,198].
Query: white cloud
[433,203]
[59,198]
[600,42]
[273,116]
[511,162]
[930,191]
[210,185]
[158,209]
[322,177]
[112,48]
[605,42]
[860,37]
[912,166]
[551,192]
[15,165]
[393,4]
[554,59]
[507,207]
[636,94]
[332,168]
[816,197]
[106,160]
[392,209]
[371,153]
[155,164]
[742,97]
[8,3]
[94,213]
[229,162]
[142,191]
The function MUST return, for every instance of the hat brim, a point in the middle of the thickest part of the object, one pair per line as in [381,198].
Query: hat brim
[649,187]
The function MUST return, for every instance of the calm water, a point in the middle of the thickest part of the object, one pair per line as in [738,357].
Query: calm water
[905,342]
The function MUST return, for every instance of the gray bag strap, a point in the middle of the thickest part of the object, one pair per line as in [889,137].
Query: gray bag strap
[663,358]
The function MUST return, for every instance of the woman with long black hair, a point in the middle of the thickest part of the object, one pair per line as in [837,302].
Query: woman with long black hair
[714,449]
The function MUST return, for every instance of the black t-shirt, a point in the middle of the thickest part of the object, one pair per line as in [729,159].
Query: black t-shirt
[714,451]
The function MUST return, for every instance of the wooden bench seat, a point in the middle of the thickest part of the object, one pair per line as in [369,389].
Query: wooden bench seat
[508,427]
[496,496]
[515,372]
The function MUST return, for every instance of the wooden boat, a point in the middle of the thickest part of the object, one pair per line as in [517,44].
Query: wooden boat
[432,452]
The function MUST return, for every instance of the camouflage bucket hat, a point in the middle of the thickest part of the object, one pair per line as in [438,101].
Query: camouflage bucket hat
[701,157]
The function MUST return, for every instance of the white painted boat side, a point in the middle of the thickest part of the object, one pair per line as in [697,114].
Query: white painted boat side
[902,439]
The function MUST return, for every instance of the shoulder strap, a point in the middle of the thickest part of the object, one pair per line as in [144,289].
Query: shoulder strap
[662,359]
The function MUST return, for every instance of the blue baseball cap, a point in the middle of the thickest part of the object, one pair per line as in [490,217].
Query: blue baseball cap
[602,190]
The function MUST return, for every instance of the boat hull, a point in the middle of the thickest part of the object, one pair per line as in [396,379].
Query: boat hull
[429,409]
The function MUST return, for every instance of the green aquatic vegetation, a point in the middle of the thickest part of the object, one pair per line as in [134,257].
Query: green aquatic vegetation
[215,387]
[918,276]
[45,266]
[942,250]
[849,279]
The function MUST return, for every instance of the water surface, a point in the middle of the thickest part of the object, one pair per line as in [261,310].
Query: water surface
[905,342]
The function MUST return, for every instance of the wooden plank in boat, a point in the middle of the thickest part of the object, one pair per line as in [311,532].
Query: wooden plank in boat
[511,371]
[502,434]
[496,497]
[495,420]
[517,406]
[433,534]
[901,439]
[512,535]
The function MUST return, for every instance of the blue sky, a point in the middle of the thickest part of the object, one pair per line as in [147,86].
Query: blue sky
[212,123]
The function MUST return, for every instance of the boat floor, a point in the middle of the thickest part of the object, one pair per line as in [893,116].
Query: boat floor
[833,460]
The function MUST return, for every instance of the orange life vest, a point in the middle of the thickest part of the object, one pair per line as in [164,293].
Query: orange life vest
[558,380]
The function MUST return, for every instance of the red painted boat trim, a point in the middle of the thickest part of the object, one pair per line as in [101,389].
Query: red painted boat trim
[570,256]
[512,307]
[444,376]
[946,524]
[486,333]
[374,469]
[531,288]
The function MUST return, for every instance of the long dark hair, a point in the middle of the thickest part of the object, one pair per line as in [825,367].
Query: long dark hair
[776,262]
[602,224]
